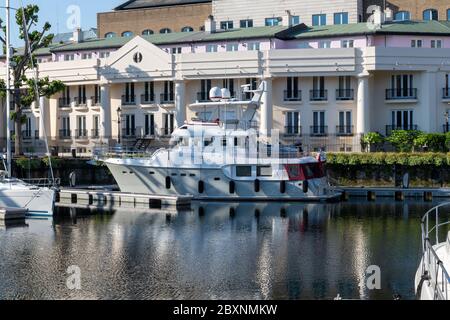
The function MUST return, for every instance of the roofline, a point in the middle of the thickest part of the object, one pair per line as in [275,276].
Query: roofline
[122,6]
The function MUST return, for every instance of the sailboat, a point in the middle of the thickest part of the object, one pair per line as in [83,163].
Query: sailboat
[15,193]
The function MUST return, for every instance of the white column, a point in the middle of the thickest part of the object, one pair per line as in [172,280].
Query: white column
[180,104]
[44,113]
[105,113]
[363,104]
[427,115]
[266,118]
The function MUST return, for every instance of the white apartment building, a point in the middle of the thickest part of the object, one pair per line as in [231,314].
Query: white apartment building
[326,85]
[240,14]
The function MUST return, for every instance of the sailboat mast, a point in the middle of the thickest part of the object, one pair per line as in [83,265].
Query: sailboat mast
[8,88]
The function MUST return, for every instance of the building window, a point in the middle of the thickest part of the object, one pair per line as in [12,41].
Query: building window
[248,23]
[104,55]
[325,44]
[270,22]
[319,127]
[86,56]
[347,43]
[319,19]
[69,57]
[402,16]
[292,123]
[232,47]
[211,48]
[149,124]
[292,92]
[416,43]
[110,35]
[165,30]
[402,120]
[253,46]
[448,14]
[176,50]
[295,20]
[187,29]
[402,87]
[436,43]
[127,34]
[341,18]
[243,171]
[226,25]
[430,14]
[345,122]
[147,32]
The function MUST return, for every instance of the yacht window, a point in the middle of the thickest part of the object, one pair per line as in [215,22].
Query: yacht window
[243,171]
[264,171]
[224,142]
[293,170]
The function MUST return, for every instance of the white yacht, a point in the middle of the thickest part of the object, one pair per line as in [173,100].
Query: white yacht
[224,159]
[15,193]
[432,280]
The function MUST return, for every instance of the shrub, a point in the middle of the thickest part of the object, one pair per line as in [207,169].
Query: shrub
[371,139]
[403,140]
[27,163]
[435,142]
[389,159]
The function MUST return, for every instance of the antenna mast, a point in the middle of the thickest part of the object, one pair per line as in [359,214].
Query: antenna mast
[8,88]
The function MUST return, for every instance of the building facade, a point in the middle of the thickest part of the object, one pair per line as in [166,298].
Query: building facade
[144,17]
[414,9]
[325,85]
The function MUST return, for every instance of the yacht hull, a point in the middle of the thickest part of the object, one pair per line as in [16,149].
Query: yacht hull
[39,201]
[216,185]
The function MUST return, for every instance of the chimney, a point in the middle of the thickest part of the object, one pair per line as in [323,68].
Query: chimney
[210,25]
[388,15]
[77,35]
[287,19]
[378,17]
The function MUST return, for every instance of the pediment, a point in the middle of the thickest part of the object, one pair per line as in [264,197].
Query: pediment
[137,59]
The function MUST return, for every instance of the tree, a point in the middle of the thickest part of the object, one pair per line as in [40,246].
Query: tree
[24,92]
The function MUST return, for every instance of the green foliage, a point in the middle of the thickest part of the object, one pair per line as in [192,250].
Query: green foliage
[389,159]
[27,163]
[435,142]
[56,162]
[373,138]
[403,140]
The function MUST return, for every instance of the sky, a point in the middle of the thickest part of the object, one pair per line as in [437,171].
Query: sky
[63,15]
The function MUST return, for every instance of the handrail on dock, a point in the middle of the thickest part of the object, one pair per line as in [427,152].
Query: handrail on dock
[432,265]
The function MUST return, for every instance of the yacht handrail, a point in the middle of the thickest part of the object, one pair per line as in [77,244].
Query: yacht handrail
[432,265]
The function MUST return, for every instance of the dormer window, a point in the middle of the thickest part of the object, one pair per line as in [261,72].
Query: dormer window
[187,29]
[165,30]
[147,32]
[127,34]
[110,35]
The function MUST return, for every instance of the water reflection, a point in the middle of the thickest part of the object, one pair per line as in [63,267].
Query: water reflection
[217,251]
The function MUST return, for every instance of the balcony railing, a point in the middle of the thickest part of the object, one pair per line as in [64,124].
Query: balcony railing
[167,98]
[64,134]
[344,130]
[345,94]
[26,135]
[446,93]
[96,101]
[291,131]
[95,133]
[128,100]
[318,95]
[407,127]
[80,101]
[81,134]
[292,96]
[64,102]
[131,133]
[318,131]
[401,94]
[147,98]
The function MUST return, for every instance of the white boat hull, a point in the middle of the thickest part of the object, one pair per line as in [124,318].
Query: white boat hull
[38,201]
[184,181]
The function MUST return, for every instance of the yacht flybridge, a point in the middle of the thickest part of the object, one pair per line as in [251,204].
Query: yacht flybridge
[224,159]
[433,278]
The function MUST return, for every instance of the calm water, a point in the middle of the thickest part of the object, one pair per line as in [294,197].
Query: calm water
[216,251]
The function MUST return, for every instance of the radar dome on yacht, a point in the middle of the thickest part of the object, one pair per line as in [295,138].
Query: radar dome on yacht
[226,94]
[215,94]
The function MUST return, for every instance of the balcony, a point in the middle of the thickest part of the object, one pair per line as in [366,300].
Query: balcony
[96,101]
[64,134]
[401,94]
[318,131]
[131,133]
[407,127]
[167,98]
[65,102]
[345,94]
[292,95]
[95,133]
[26,135]
[344,131]
[147,98]
[446,93]
[128,100]
[318,95]
[293,131]
[80,101]
[81,134]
